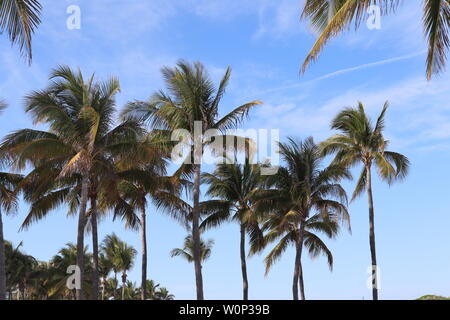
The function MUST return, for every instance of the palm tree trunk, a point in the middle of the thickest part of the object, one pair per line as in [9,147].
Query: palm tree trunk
[2,263]
[115,285]
[244,264]
[80,236]
[103,288]
[124,282]
[298,263]
[301,283]
[372,235]
[196,232]
[22,291]
[296,272]
[95,276]
[144,255]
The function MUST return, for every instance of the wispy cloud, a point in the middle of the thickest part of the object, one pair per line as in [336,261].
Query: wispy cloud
[418,120]
[343,71]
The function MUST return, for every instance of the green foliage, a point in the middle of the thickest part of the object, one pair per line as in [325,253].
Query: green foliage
[361,142]
[432,297]
[302,200]
[187,252]
[20,18]
[330,18]
[30,279]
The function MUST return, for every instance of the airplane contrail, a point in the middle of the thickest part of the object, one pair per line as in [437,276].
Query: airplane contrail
[347,70]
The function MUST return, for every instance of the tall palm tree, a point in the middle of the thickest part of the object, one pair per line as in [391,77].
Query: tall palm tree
[109,249]
[295,197]
[80,144]
[187,252]
[235,185]
[192,99]
[359,141]
[125,259]
[279,226]
[8,204]
[20,18]
[331,17]
[105,267]
[136,186]
[121,255]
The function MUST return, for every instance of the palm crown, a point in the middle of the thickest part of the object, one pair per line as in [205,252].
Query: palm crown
[187,252]
[331,17]
[363,142]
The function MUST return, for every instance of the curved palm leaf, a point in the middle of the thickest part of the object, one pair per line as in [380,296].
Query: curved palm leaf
[20,18]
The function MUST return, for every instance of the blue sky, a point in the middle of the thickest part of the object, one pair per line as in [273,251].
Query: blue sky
[265,43]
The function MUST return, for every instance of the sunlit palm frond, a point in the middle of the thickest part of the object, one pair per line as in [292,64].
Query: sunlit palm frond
[20,18]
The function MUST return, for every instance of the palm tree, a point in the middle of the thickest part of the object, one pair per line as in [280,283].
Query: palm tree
[331,17]
[8,204]
[125,258]
[67,256]
[38,280]
[361,142]
[131,292]
[109,249]
[235,185]
[187,252]
[192,101]
[105,267]
[20,268]
[151,287]
[121,257]
[313,226]
[20,18]
[297,196]
[163,294]
[135,186]
[80,148]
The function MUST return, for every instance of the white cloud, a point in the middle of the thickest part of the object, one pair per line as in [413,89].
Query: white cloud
[418,118]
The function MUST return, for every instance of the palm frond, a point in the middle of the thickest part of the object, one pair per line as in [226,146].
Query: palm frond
[436,21]
[20,18]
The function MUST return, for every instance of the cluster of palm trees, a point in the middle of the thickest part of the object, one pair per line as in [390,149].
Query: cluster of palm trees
[305,199]
[27,278]
[94,161]
[94,164]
